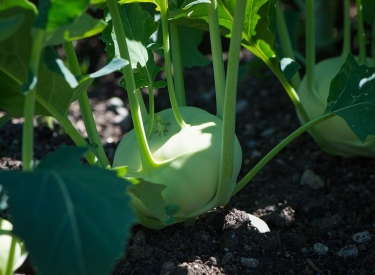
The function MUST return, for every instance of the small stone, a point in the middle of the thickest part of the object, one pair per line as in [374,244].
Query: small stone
[348,251]
[212,261]
[310,179]
[304,250]
[241,106]
[115,102]
[249,262]
[361,237]
[320,248]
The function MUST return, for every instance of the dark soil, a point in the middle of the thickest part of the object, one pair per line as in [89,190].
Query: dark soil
[314,226]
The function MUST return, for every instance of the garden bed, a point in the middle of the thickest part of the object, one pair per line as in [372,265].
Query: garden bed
[320,208]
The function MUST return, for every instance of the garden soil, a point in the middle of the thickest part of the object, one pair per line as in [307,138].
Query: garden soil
[320,208]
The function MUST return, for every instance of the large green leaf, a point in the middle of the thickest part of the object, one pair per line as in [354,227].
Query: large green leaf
[138,26]
[352,97]
[56,87]
[9,25]
[74,219]
[15,50]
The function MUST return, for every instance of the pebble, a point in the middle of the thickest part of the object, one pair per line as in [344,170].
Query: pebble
[348,251]
[361,237]
[115,102]
[241,106]
[249,262]
[320,248]
[310,179]
[168,265]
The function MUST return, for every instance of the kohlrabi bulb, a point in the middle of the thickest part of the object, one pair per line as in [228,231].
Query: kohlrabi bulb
[192,155]
[338,136]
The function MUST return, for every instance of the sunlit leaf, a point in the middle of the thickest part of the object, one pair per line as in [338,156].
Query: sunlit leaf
[352,97]
[289,67]
[79,216]
[84,26]
[138,26]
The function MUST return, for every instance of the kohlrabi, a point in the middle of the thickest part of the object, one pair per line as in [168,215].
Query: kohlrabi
[187,159]
[334,135]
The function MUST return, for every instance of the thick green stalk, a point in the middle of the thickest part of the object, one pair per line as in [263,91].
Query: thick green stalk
[177,65]
[151,111]
[277,149]
[229,116]
[217,57]
[285,42]
[361,34]
[9,266]
[85,107]
[68,127]
[147,160]
[167,59]
[29,105]
[346,44]
[310,44]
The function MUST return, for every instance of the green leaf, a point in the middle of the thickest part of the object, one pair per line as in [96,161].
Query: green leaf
[138,26]
[59,13]
[352,97]
[84,26]
[15,50]
[289,67]
[368,11]
[74,219]
[68,157]
[150,195]
[20,253]
[9,25]
[258,30]
[52,90]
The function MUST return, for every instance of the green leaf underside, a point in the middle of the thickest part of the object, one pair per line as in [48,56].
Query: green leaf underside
[78,224]
[150,194]
[289,67]
[352,97]
[138,26]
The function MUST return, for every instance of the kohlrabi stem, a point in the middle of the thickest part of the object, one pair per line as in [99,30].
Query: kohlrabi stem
[167,60]
[285,42]
[151,111]
[29,105]
[361,34]
[177,65]
[10,262]
[310,44]
[229,116]
[347,26]
[69,128]
[147,160]
[84,104]
[277,149]
[217,57]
